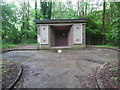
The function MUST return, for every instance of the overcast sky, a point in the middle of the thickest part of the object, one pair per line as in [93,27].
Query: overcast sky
[32,1]
[73,1]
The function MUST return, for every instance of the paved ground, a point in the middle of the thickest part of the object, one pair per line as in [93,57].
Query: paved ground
[47,69]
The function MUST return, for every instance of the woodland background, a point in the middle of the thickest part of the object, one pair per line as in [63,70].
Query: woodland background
[103,26]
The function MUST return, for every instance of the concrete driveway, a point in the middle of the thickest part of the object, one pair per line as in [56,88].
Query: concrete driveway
[47,69]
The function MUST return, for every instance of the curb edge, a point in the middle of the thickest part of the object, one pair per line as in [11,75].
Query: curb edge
[16,80]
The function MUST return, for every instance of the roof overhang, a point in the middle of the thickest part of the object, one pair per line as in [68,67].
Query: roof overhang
[57,21]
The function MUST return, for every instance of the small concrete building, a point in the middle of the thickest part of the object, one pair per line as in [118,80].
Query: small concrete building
[61,33]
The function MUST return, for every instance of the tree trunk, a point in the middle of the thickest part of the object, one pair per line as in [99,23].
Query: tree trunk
[79,13]
[24,15]
[83,11]
[36,9]
[28,26]
[86,9]
[91,7]
[103,25]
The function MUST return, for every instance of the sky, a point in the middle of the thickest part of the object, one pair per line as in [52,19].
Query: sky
[32,4]
[32,1]
[73,1]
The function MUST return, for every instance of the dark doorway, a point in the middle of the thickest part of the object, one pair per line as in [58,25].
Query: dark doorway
[61,37]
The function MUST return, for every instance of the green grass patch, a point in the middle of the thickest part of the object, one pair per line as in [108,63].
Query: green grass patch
[113,69]
[27,44]
[5,45]
[10,45]
[109,46]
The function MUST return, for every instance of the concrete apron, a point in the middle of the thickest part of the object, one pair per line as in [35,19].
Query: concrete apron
[48,69]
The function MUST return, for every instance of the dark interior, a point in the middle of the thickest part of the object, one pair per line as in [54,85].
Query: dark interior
[61,38]
[61,35]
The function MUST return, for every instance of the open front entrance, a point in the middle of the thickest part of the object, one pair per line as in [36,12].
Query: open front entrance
[61,38]
[60,35]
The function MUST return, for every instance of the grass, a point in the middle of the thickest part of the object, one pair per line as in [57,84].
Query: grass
[109,46]
[10,45]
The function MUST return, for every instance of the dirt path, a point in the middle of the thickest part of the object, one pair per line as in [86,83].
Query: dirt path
[45,68]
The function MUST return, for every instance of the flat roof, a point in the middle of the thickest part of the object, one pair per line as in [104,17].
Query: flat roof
[52,21]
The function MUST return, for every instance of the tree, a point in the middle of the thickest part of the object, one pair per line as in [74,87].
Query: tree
[103,25]
[9,23]
[25,27]
[18,21]
[46,8]
[118,24]
[36,15]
